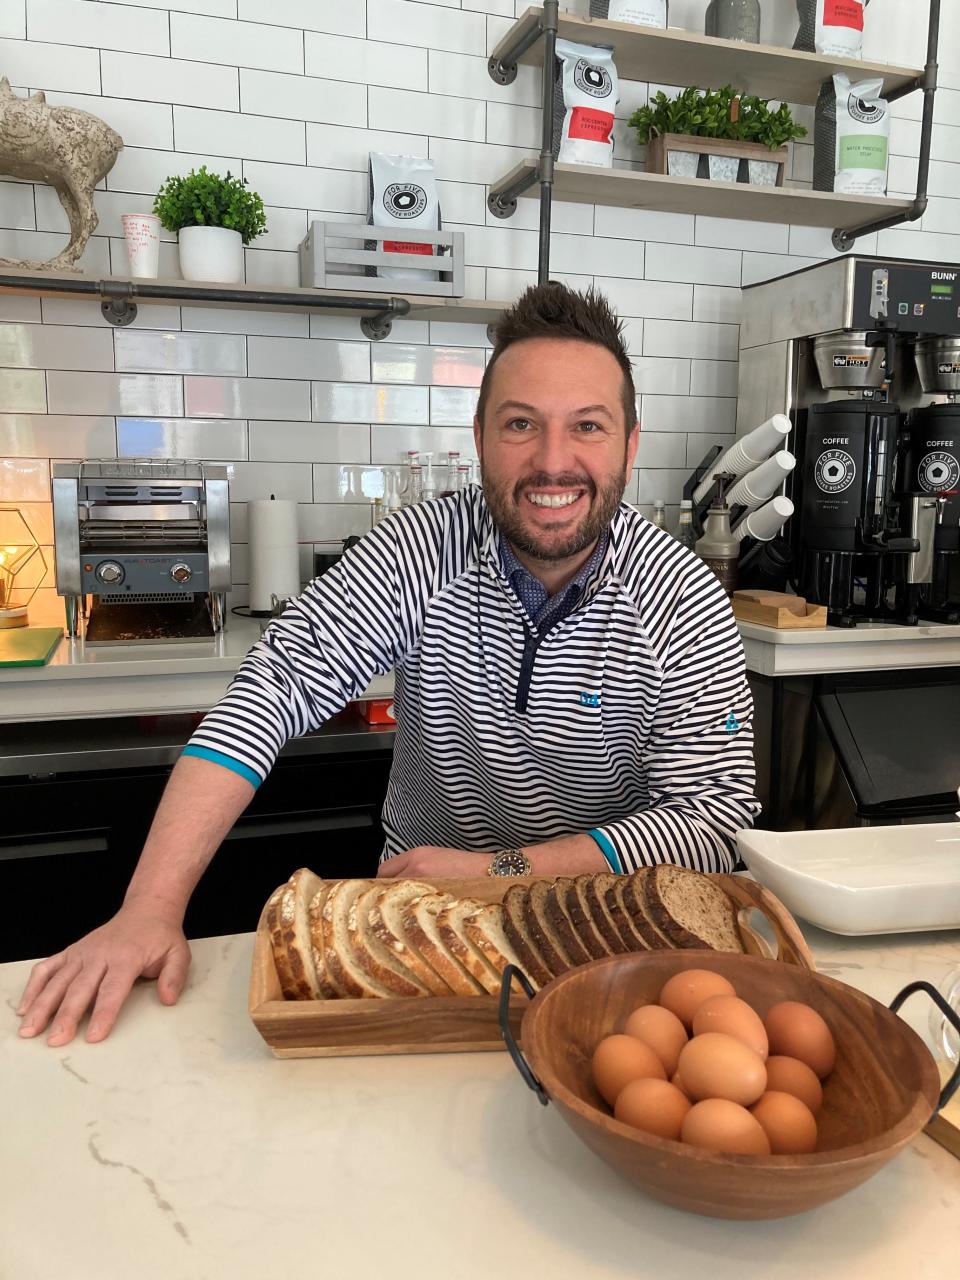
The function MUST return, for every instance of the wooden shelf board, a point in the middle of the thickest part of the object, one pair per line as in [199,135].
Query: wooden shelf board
[629,189]
[675,57]
[452,310]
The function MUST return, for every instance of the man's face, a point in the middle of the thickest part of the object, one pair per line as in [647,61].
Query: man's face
[554,449]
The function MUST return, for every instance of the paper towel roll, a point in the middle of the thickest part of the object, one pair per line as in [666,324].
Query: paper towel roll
[274,557]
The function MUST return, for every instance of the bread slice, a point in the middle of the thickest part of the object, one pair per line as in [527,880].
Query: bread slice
[637,904]
[594,889]
[383,962]
[450,922]
[385,922]
[633,939]
[580,921]
[692,910]
[515,930]
[344,970]
[542,931]
[485,930]
[556,910]
[418,919]
[325,985]
[292,943]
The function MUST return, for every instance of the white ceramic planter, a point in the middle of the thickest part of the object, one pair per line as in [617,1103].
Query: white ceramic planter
[214,254]
[724,168]
[682,164]
[763,173]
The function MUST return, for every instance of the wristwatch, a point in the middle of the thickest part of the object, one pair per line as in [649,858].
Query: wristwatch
[510,862]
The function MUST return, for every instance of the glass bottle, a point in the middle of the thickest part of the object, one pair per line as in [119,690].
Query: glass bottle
[659,514]
[391,499]
[464,473]
[718,548]
[453,469]
[414,489]
[412,459]
[737,20]
[429,482]
[685,532]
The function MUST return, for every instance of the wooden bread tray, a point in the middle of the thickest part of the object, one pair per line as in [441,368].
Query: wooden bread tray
[778,609]
[450,1024]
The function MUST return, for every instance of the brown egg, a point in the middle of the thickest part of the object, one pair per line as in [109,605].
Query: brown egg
[798,1031]
[790,1127]
[718,1066]
[654,1106]
[732,1016]
[685,992]
[661,1030]
[790,1075]
[619,1059]
[678,1084]
[720,1125]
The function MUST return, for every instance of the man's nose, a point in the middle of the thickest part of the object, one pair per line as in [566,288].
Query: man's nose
[554,452]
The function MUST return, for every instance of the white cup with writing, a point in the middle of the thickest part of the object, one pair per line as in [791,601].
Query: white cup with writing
[142,234]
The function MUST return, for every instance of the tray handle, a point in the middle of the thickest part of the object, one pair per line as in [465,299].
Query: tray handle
[950,1088]
[516,1053]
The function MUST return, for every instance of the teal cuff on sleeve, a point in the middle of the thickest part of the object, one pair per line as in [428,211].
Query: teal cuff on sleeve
[608,851]
[228,762]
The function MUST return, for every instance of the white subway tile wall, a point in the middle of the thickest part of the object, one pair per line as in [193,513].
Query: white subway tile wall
[292,96]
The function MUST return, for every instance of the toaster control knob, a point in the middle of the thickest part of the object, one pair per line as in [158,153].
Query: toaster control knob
[110,573]
[181,573]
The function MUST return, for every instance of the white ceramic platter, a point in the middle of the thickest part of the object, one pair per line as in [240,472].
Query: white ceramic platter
[862,880]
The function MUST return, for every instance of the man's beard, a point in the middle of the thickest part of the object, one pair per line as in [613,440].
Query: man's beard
[505,508]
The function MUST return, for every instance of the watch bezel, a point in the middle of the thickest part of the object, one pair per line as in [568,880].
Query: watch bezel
[515,859]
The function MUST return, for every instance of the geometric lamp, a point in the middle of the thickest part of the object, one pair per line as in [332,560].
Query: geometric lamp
[22,567]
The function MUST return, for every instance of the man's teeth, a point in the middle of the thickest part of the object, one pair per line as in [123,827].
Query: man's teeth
[553,499]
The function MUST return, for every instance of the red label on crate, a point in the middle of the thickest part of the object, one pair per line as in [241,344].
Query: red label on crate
[586,122]
[843,13]
[404,246]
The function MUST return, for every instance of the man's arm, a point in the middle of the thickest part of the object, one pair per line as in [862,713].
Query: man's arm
[565,856]
[145,938]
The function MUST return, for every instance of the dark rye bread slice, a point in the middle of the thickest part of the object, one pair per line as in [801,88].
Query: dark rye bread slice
[531,961]
[594,889]
[555,907]
[692,910]
[583,926]
[633,892]
[633,938]
[542,931]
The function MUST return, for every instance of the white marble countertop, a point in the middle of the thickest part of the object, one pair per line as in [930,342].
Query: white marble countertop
[179,1149]
[772,651]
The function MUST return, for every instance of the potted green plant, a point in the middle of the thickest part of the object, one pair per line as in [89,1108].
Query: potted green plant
[726,126]
[214,216]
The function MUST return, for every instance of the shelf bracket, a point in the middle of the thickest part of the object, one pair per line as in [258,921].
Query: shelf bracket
[116,302]
[377,327]
[502,66]
[844,238]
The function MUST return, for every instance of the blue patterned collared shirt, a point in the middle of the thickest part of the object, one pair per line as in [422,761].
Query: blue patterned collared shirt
[543,609]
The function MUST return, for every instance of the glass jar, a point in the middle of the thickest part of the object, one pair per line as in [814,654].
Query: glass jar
[735,20]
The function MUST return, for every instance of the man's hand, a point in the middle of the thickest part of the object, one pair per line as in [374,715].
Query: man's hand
[431,860]
[100,970]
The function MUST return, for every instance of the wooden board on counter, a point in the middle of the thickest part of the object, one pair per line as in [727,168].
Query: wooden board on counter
[778,609]
[454,1024]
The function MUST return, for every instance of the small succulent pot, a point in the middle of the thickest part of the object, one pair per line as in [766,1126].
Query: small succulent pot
[682,164]
[212,254]
[724,168]
[763,173]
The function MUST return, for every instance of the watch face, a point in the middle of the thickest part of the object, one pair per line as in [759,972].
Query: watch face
[510,862]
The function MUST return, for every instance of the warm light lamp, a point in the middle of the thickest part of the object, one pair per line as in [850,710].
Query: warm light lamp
[22,567]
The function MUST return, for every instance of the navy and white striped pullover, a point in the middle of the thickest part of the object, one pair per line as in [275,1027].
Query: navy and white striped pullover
[631,715]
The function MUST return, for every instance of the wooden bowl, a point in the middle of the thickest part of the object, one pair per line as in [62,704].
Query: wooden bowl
[881,1093]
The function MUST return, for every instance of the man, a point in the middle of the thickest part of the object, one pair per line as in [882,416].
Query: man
[570,685]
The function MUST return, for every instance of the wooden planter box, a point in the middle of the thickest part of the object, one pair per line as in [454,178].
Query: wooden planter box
[662,143]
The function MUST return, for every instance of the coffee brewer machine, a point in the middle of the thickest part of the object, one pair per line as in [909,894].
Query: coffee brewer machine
[863,355]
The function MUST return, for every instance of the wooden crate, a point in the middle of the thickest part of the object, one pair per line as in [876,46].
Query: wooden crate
[323,259]
[450,1024]
[661,143]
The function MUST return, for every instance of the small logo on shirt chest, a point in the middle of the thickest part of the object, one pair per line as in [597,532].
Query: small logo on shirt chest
[732,725]
[589,699]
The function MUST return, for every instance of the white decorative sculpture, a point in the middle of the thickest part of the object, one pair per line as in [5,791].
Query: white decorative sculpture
[70,149]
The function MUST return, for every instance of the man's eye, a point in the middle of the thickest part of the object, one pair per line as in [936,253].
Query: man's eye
[518,424]
[588,428]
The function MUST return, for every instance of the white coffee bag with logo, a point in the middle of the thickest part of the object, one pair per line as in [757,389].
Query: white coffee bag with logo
[403,193]
[643,13]
[831,27]
[851,138]
[586,95]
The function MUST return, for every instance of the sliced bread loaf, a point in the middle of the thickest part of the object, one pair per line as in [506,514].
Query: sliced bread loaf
[594,889]
[292,943]
[555,907]
[692,910]
[542,931]
[325,984]
[531,961]
[580,919]
[450,922]
[485,931]
[344,970]
[386,923]
[637,904]
[633,939]
[385,963]
[418,920]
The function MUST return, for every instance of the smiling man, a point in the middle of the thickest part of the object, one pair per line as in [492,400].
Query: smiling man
[570,685]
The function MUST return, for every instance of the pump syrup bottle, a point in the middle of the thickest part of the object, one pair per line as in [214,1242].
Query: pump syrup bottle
[718,548]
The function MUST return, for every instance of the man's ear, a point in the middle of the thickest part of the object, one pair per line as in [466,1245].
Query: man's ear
[478,437]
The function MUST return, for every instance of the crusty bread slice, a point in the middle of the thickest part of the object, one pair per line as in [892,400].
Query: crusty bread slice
[542,931]
[633,892]
[450,922]
[691,909]
[556,911]
[386,921]
[418,920]
[384,962]
[485,930]
[271,922]
[344,970]
[291,937]
[623,919]
[325,984]
[580,919]
[594,893]
[531,961]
